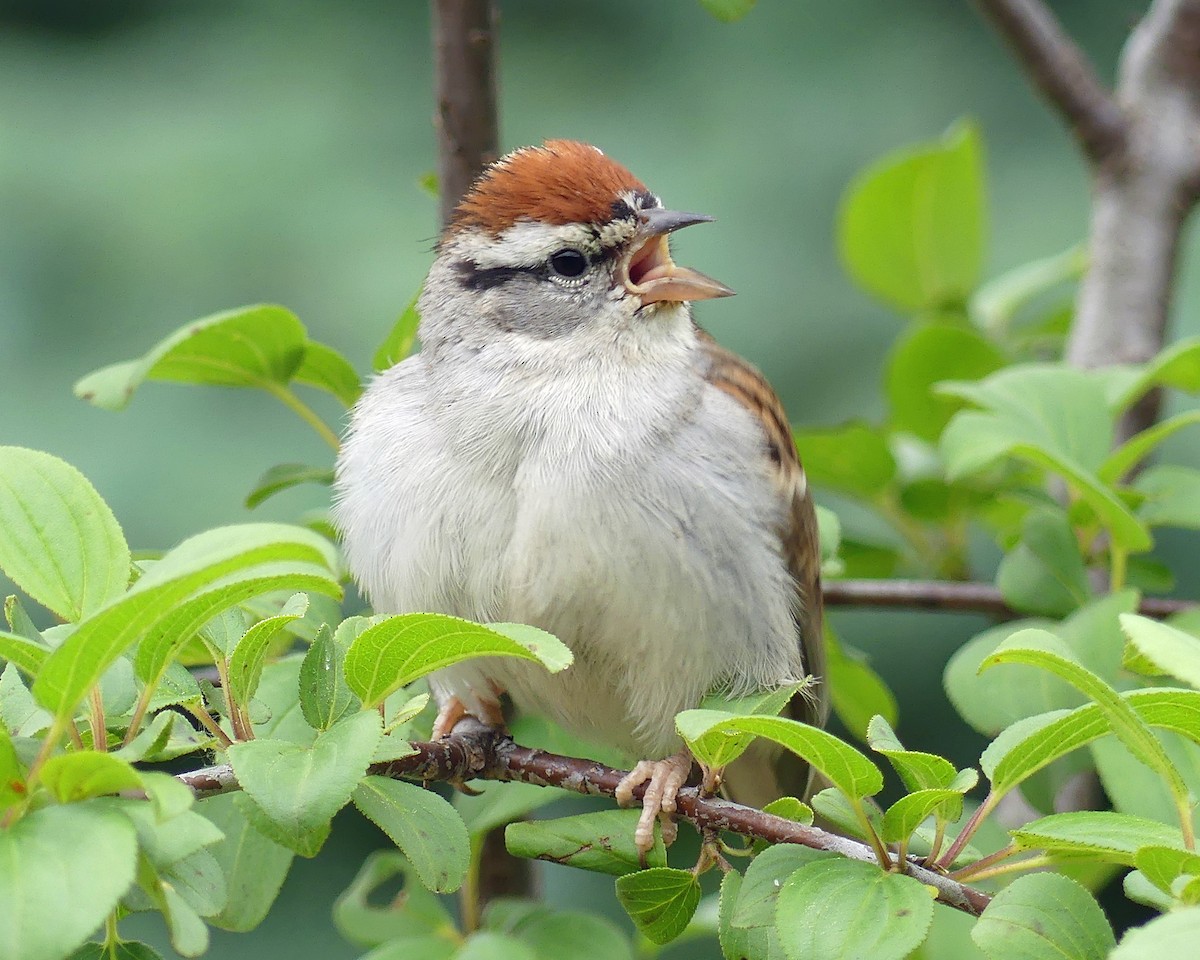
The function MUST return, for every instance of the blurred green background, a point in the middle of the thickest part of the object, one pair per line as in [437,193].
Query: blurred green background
[161,161]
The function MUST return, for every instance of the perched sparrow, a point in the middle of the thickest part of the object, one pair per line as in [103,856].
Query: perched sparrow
[569,450]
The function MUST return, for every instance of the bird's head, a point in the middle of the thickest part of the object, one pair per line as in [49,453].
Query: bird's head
[553,238]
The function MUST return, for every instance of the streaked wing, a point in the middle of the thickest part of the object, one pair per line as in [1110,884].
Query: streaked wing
[798,540]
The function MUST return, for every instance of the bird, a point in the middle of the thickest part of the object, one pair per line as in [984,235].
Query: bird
[570,450]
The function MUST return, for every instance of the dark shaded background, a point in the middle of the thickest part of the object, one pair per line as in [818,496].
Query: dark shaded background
[162,161]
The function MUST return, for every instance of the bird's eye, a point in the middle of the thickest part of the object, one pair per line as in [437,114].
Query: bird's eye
[568,263]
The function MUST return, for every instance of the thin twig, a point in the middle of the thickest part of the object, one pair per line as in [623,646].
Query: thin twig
[1061,72]
[476,752]
[953,596]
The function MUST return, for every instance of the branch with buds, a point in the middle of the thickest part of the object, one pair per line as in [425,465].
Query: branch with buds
[475,752]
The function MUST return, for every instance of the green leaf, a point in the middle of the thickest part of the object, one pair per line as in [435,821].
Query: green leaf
[1050,416]
[1173,935]
[249,656]
[394,652]
[1163,865]
[660,901]
[259,346]
[918,771]
[414,913]
[1172,496]
[1140,890]
[231,562]
[171,843]
[126,950]
[590,937]
[790,809]
[601,841]
[853,458]
[746,920]
[729,11]
[59,541]
[1043,916]
[400,338]
[927,355]
[996,304]
[840,763]
[1170,650]
[1045,572]
[992,700]
[12,773]
[25,655]
[485,945]
[1114,837]
[423,825]
[77,855]
[325,369]
[839,908]
[20,622]
[72,777]
[325,696]
[911,226]
[718,748]
[857,692]
[299,789]
[1044,650]
[1134,450]
[189,935]
[1177,366]
[1031,744]
[910,811]
[496,804]
[284,476]
[254,866]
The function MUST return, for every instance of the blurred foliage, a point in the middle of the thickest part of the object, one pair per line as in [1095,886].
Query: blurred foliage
[160,162]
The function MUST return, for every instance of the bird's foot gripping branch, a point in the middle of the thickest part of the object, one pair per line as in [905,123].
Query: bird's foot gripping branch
[92,705]
[298,711]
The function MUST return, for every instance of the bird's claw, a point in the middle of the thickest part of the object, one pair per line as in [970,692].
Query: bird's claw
[663,779]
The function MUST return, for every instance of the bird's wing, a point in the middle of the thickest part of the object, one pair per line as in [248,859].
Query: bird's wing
[799,547]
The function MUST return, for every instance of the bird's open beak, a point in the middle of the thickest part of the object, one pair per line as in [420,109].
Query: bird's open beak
[648,271]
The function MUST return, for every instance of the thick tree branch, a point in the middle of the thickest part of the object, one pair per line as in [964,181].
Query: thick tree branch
[1143,143]
[1061,72]
[464,41]
[952,596]
[475,752]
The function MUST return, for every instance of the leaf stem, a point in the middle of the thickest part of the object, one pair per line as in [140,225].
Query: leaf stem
[964,835]
[1117,557]
[289,399]
[881,851]
[983,863]
[209,724]
[99,729]
[469,894]
[139,713]
[1029,863]
[935,847]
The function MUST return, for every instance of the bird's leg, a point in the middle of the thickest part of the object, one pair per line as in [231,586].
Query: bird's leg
[449,713]
[663,778]
[452,710]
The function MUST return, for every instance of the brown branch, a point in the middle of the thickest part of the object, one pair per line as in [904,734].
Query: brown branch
[953,596]
[464,40]
[1143,143]
[1059,69]
[477,752]
[1140,203]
